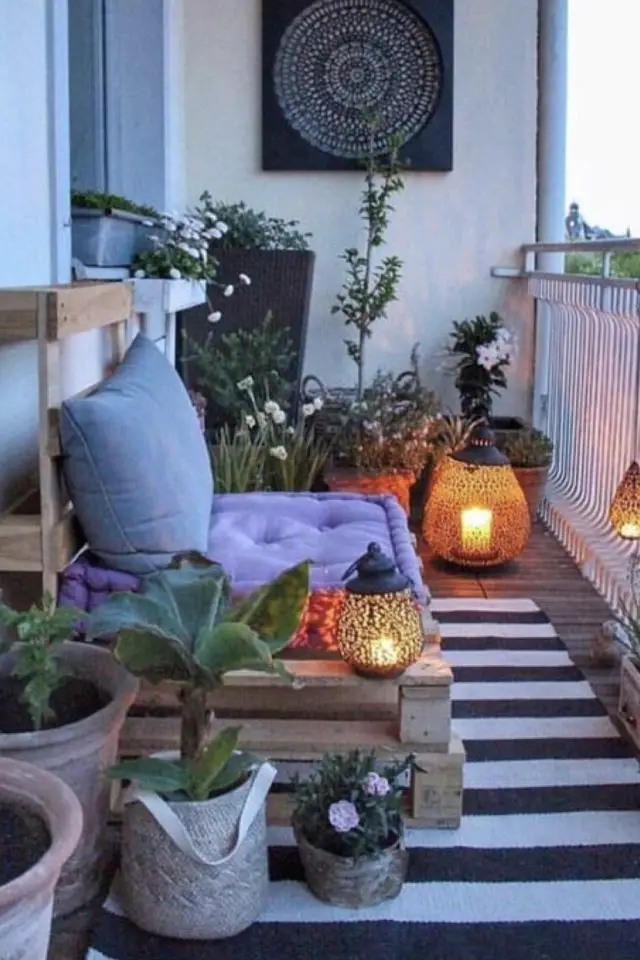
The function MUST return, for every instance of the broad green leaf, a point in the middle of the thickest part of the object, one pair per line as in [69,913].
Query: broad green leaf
[159,776]
[133,611]
[204,772]
[274,611]
[196,597]
[154,656]
[232,646]
[237,765]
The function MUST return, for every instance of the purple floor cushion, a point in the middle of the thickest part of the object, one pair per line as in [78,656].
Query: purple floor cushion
[256,536]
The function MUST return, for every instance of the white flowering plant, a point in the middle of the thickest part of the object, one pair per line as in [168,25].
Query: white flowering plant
[481,349]
[350,806]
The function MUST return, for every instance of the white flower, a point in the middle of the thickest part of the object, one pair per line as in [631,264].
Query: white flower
[215,234]
[278,452]
[291,431]
[243,278]
[175,274]
[228,290]
[308,409]
[262,420]
[222,227]
[503,335]
[250,421]
[139,274]
[487,356]
[214,317]
[271,407]
[318,403]
[279,417]
[245,384]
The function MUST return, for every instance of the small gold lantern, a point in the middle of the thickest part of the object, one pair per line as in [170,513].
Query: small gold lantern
[624,512]
[380,629]
[477,515]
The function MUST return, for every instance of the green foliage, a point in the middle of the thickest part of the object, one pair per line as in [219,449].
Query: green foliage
[528,448]
[375,802]
[238,458]
[622,265]
[181,627]
[219,768]
[450,434]
[180,252]
[92,200]
[40,631]
[628,611]
[391,427]
[222,362]
[481,351]
[251,230]
[369,289]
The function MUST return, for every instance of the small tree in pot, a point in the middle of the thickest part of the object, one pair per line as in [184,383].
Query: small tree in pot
[62,705]
[348,825]
[194,806]
[530,452]
[481,350]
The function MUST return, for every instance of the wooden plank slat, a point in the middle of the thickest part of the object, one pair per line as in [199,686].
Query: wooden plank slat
[69,308]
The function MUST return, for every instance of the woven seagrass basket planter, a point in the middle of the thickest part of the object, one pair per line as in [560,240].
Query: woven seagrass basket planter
[398,483]
[345,882]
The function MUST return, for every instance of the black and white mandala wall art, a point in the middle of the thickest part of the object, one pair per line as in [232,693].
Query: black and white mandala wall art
[329,66]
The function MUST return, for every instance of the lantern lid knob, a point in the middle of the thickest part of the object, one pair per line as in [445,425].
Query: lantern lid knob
[481,450]
[375,573]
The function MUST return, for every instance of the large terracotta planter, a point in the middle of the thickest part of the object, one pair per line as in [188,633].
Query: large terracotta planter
[345,882]
[398,483]
[533,481]
[26,903]
[78,754]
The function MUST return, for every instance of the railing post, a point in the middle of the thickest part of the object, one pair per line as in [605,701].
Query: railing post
[552,137]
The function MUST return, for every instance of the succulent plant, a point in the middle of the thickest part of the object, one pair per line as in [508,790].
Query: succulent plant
[181,627]
[451,434]
[528,448]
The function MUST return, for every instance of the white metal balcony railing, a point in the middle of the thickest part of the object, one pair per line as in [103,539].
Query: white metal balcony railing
[586,398]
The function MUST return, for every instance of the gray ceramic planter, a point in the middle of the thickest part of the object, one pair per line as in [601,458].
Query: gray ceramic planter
[26,902]
[78,754]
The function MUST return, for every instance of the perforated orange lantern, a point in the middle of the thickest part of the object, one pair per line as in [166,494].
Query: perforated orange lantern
[624,512]
[477,515]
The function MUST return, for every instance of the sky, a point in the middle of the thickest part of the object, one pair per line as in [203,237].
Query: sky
[603,137]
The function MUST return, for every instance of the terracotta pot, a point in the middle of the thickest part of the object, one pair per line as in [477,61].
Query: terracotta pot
[533,481]
[345,882]
[398,483]
[78,753]
[26,903]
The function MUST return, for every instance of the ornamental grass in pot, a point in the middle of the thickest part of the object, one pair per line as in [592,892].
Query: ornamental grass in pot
[194,851]
[62,706]
[384,439]
[348,825]
[40,825]
[530,452]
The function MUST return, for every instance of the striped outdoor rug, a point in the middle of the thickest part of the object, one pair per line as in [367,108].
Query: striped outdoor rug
[546,864]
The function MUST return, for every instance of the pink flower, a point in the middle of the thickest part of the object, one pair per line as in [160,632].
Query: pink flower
[343,816]
[376,785]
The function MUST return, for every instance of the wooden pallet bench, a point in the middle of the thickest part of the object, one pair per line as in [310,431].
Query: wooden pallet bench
[331,709]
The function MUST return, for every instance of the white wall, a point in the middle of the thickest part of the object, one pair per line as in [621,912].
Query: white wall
[449,229]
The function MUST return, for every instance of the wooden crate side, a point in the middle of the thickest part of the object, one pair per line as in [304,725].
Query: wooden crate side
[79,307]
[20,542]
[436,787]
[425,716]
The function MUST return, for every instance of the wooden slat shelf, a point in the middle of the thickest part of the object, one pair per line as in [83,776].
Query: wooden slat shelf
[44,540]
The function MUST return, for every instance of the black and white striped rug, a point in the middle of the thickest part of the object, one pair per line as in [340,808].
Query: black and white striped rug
[546,864]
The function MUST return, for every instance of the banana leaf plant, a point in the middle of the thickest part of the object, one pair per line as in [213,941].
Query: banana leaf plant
[182,627]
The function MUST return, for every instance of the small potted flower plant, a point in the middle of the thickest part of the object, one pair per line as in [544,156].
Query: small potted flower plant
[348,825]
[385,439]
[482,350]
[108,230]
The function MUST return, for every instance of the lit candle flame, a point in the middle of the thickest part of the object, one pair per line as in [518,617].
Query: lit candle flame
[384,652]
[477,523]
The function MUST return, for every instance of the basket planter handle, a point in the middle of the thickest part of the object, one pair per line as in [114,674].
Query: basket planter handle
[261,780]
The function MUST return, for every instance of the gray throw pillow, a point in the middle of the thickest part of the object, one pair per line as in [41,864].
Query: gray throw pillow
[136,464]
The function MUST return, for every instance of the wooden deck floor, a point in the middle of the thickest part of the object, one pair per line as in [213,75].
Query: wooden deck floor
[545,574]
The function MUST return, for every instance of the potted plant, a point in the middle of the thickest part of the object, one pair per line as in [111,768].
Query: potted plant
[530,452]
[348,826]
[481,350]
[108,230]
[450,433]
[194,830]
[40,825]
[62,705]
[385,439]
[628,636]
[275,254]
[370,286]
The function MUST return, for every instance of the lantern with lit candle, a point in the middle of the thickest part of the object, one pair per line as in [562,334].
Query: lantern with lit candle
[477,515]
[380,629]
[625,507]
